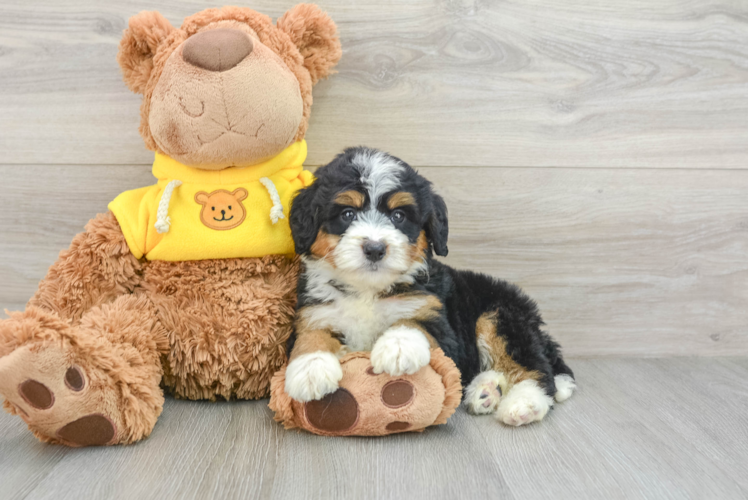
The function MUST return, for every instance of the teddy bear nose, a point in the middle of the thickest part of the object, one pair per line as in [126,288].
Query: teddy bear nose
[218,49]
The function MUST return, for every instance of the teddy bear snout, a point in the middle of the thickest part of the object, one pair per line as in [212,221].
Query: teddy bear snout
[217,49]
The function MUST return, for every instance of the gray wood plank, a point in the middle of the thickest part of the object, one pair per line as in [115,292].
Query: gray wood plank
[457,82]
[622,262]
[655,428]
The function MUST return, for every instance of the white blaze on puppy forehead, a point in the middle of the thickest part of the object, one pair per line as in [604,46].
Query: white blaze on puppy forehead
[379,173]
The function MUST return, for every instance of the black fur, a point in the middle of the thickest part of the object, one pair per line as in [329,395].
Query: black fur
[465,295]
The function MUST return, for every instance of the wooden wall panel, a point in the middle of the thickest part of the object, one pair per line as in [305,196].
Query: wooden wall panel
[621,261]
[439,82]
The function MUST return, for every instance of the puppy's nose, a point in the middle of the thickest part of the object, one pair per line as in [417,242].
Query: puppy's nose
[218,49]
[374,250]
[223,212]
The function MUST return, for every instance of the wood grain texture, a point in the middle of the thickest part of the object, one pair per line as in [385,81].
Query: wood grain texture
[634,430]
[438,82]
[621,262]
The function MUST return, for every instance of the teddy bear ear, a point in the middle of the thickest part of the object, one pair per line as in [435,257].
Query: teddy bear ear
[139,43]
[315,35]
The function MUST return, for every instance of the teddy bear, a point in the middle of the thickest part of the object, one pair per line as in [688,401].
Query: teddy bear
[188,285]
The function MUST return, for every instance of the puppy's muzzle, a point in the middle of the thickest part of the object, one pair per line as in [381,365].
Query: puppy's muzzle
[374,250]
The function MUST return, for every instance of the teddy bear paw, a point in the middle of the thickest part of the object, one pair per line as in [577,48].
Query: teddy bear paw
[56,397]
[366,403]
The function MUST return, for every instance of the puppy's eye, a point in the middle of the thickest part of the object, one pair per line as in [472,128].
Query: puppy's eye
[348,215]
[397,216]
[229,207]
[213,208]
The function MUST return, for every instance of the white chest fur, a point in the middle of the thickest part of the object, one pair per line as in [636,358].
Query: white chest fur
[361,319]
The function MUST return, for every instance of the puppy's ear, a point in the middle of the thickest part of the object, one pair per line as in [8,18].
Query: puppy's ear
[139,42]
[315,34]
[304,220]
[437,226]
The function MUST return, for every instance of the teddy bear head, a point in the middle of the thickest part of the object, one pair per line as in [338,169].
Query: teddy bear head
[228,88]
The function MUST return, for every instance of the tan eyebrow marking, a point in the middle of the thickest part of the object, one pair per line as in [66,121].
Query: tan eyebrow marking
[351,198]
[399,199]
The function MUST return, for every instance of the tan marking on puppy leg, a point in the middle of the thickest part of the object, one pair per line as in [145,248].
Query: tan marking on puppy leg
[350,198]
[313,341]
[400,199]
[429,310]
[314,369]
[324,245]
[417,326]
[493,353]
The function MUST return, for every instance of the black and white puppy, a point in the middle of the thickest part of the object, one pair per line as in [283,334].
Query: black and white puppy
[367,230]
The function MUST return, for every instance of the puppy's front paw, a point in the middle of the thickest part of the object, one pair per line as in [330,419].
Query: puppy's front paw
[400,350]
[313,376]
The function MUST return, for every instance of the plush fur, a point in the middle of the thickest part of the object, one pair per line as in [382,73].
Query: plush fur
[85,363]
[362,405]
[367,231]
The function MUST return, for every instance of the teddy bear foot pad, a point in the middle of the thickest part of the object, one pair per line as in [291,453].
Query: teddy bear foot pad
[369,404]
[56,399]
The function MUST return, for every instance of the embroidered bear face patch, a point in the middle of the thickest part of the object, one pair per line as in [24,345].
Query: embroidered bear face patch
[222,209]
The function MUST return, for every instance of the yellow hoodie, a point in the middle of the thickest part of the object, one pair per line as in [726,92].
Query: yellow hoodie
[193,214]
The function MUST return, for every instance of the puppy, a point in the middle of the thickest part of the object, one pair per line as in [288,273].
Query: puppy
[367,230]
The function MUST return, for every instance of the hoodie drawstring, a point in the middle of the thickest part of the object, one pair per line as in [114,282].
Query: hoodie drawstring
[276,212]
[162,215]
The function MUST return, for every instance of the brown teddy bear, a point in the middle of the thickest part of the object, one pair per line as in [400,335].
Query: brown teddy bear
[189,284]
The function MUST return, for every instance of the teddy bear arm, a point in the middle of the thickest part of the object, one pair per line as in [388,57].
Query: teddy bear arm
[97,268]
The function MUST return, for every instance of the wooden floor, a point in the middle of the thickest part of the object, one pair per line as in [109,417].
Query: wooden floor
[656,428]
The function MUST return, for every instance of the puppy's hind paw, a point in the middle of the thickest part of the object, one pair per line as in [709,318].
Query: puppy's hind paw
[313,376]
[525,402]
[483,394]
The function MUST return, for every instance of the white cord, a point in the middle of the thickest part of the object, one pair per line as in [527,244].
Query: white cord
[162,215]
[276,212]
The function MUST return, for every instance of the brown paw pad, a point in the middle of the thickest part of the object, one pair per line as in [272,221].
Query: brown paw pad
[397,426]
[74,379]
[36,394]
[397,393]
[336,412]
[91,430]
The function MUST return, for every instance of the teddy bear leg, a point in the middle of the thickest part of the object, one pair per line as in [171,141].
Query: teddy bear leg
[96,383]
[371,404]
